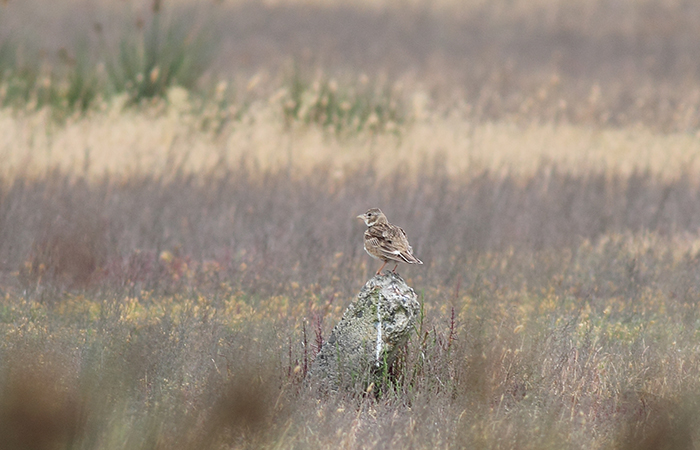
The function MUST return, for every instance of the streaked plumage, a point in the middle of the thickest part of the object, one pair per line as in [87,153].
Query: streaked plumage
[386,241]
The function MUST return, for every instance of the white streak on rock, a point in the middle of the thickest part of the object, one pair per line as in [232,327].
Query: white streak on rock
[377,360]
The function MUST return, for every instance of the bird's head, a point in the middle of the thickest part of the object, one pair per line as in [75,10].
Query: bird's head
[373,216]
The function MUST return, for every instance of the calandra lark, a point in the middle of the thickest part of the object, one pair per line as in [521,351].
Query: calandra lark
[386,241]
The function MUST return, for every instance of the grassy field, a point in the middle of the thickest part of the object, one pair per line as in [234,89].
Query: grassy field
[178,188]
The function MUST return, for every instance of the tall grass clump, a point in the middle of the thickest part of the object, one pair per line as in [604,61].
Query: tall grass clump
[144,61]
[167,51]
[149,59]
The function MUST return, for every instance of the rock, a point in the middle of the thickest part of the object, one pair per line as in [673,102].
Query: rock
[366,339]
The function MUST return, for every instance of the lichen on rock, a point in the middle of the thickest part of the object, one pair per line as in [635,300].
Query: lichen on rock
[367,337]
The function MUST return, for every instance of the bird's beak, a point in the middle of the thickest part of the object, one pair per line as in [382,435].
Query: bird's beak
[361,216]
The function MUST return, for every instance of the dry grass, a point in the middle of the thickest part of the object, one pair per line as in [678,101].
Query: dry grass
[165,284]
[556,308]
[138,142]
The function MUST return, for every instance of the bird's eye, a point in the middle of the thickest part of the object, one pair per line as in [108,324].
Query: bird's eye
[369,214]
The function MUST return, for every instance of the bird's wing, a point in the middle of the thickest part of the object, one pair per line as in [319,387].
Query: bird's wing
[405,240]
[391,242]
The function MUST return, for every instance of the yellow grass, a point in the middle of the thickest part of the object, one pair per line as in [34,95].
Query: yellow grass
[156,140]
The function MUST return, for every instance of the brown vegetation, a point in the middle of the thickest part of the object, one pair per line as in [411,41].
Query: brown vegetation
[167,285]
[556,303]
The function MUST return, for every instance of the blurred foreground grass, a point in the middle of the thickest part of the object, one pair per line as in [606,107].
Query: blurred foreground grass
[183,310]
[595,347]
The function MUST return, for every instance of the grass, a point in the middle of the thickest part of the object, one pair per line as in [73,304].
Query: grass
[551,61]
[175,249]
[551,331]
[152,56]
[164,53]
[347,110]
[168,50]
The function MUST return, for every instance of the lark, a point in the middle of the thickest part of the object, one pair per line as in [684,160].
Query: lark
[386,241]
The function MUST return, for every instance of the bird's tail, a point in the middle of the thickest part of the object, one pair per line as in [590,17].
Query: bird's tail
[409,258]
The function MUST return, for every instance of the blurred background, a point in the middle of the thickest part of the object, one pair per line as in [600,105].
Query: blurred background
[178,188]
[621,62]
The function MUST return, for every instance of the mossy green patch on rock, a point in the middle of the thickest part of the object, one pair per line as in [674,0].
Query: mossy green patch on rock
[365,340]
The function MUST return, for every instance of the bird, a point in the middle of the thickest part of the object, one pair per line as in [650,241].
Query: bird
[386,241]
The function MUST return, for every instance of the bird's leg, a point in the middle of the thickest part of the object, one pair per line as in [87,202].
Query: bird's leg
[394,270]
[380,269]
